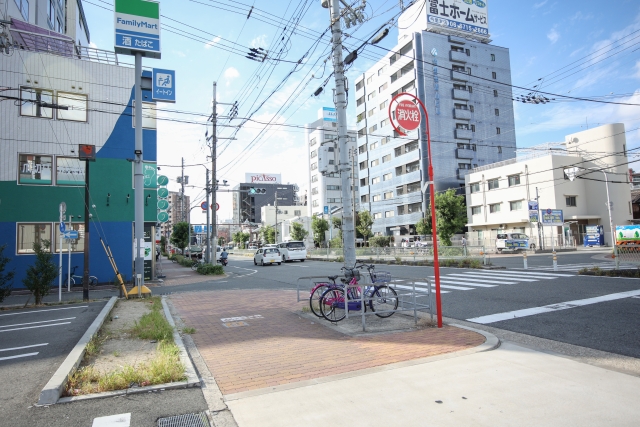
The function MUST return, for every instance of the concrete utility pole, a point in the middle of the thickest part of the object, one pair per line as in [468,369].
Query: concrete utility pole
[275,204]
[139,191]
[348,227]
[207,255]
[182,208]
[213,238]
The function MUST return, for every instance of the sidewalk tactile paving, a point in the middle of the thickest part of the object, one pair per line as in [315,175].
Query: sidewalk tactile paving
[283,347]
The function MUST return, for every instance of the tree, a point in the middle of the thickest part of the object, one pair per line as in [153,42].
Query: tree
[268,234]
[239,237]
[180,235]
[41,274]
[163,244]
[221,241]
[337,223]
[319,227]
[364,224]
[6,279]
[380,241]
[451,216]
[298,232]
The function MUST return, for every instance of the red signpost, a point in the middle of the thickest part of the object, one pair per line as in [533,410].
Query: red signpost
[408,117]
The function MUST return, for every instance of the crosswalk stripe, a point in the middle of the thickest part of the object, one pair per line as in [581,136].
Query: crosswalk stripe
[542,275]
[418,290]
[499,276]
[483,280]
[469,283]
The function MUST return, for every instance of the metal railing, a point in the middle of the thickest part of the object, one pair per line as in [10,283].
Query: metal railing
[415,253]
[627,254]
[413,295]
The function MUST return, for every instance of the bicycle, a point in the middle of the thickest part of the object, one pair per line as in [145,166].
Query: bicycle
[196,263]
[316,294]
[93,280]
[381,298]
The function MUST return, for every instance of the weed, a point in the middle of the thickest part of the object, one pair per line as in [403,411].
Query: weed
[210,269]
[475,263]
[153,325]
[398,260]
[116,353]
[306,309]
[189,330]
[95,343]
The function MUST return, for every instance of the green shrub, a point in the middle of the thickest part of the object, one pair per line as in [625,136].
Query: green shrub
[210,269]
[6,279]
[40,275]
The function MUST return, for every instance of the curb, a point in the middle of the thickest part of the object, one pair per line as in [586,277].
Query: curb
[190,370]
[52,391]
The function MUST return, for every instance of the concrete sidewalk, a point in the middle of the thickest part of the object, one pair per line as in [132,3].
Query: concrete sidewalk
[509,386]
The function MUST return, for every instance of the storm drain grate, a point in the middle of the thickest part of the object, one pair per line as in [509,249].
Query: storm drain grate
[198,419]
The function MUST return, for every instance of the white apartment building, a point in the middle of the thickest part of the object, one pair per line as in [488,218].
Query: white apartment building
[497,195]
[325,188]
[306,224]
[269,216]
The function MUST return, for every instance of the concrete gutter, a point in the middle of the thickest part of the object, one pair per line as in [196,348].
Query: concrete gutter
[52,391]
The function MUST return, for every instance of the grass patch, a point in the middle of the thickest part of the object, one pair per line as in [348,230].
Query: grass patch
[165,368]
[94,345]
[153,325]
[189,330]
[597,271]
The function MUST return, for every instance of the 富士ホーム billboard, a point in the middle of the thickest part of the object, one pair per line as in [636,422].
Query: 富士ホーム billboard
[467,16]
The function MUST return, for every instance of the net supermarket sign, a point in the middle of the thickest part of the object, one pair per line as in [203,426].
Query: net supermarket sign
[466,16]
[263,178]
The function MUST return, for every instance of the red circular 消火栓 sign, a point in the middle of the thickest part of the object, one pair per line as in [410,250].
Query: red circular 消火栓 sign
[408,115]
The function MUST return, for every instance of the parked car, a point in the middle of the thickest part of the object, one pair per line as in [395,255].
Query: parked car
[264,256]
[513,242]
[253,246]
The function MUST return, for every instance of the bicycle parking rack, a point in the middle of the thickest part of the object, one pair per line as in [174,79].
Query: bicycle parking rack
[413,294]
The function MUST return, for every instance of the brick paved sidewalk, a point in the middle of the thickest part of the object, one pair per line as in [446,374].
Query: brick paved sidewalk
[278,346]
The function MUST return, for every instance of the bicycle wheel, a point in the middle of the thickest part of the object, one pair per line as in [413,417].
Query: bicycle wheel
[314,299]
[66,283]
[332,305]
[383,298]
[93,281]
[194,266]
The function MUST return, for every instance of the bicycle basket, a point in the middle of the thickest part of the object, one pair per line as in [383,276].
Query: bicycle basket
[350,274]
[381,277]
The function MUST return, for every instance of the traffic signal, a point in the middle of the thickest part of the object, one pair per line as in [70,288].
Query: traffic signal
[254,190]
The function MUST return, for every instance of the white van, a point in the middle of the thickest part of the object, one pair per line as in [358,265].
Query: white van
[513,242]
[292,250]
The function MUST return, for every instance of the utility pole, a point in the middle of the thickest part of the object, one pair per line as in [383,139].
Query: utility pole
[213,237]
[348,228]
[540,240]
[353,179]
[275,204]
[182,194]
[207,254]
[138,196]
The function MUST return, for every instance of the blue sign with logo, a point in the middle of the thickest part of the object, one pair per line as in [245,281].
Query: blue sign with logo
[62,227]
[552,217]
[326,210]
[164,85]
[71,234]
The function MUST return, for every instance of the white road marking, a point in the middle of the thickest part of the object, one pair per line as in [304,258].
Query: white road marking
[42,311]
[498,276]
[34,323]
[23,347]
[234,319]
[551,307]
[120,420]
[536,275]
[483,280]
[433,286]
[470,283]
[18,356]
[33,327]
[418,289]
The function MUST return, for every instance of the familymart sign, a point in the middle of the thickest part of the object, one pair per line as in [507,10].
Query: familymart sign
[137,25]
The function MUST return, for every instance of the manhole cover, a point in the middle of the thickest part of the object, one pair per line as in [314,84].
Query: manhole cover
[198,419]
[234,324]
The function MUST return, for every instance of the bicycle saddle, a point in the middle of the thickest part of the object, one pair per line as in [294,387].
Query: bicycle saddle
[333,278]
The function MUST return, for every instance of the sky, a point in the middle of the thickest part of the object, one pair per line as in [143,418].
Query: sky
[572,48]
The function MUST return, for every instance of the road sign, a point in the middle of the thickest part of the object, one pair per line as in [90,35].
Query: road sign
[163,204]
[552,217]
[137,25]
[164,85]
[70,234]
[204,205]
[163,217]
[326,210]
[163,180]
[408,115]
[533,211]
[163,193]
[62,227]
[217,206]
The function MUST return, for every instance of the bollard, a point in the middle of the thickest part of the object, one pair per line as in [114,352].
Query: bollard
[524,257]
[555,261]
[616,256]
[484,258]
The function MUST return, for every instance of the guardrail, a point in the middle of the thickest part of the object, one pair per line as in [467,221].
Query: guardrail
[411,254]
[412,294]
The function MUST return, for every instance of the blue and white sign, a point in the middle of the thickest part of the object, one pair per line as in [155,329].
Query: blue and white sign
[62,227]
[164,85]
[326,210]
[533,211]
[70,235]
[328,114]
[463,16]
[137,27]
[552,217]
[200,229]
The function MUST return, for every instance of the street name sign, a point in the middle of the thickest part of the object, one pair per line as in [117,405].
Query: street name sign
[137,27]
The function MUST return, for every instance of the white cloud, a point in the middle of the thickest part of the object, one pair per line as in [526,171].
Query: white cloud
[231,74]
[553,35]
[211,43]
[93,45]
[637,68]
[179,53]
[539,5]
[260,41]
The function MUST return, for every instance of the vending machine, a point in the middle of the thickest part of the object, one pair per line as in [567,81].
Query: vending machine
[594,235]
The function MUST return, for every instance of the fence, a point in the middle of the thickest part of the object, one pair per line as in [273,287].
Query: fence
[413,295]
[406,254]
[627,254]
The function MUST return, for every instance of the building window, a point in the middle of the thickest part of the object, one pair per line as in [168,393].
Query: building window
[497,111]
[375,162]
[475,187]
[377,215]
[384,140]
[375,180]
[362,148]
[383,87]
[312,142]
[333,187]
[411,146]
[371,95]
[382,70]
[297,213]
[314,190]
[515,206]
[400,210]
[476,210]
[493,57]
[373,146]
[470,89]
[363,165]
[363,182]
[468,52]
[498,133]
[34,99]
[571,201]
[77,245]
[398,151]
[360,117]
[473,128]
[493,184]
[495,93]
[34,169]
[384,122]
[363,198]
[362,132]
[371,112]
[314,153]
[70,171]
[373,128]
[471,108]
[23,5]
[28,234]
[360,101]
[387,176]
[386,158]
[52,13]
[383,105]
[314,178]
[399,191]
[376,198]
[314,165]
[413,187]
[360,84]
[389,214]
[494,208]
[315,203]
[494,75]
[413,207]
[399,171]
[514,180]
[413,166]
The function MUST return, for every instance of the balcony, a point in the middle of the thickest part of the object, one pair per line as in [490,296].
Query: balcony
[463,153]
[462,172]
[457,56]
[462,114]
[463,134]
[460,76]
[460,94]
